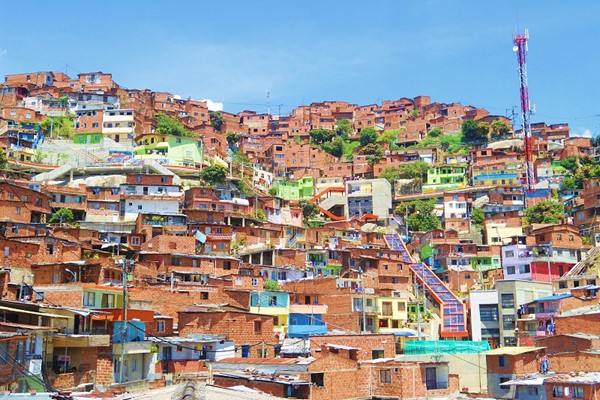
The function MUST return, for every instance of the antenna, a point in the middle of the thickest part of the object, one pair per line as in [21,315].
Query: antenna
[520,46]
[269,103]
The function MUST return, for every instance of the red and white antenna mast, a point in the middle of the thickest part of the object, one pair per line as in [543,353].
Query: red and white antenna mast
[520,41]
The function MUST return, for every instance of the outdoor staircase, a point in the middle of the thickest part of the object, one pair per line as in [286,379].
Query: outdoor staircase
[586,262]
[329,201]
[452,309]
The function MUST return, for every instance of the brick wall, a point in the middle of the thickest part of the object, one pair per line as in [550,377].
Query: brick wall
[574,362]
[104,366]
[237,326]
[272,388]
[519,364]
[366,344]
[574,324]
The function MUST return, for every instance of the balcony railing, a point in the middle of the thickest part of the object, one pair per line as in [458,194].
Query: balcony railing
[435,385]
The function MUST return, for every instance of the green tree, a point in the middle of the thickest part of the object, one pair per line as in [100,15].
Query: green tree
[271,285]
[390,137]
[3,159]
[570,164]
[309,210]
[477,216]
[569,183]
[320,136]
[334,147]
[62,215]
[435,132]
[213,174]
[413,170]
[167,125]
[39,156]
[343,128]
[546,212]
[499,129]
[260,214]
[273,191]
[232,139]
[420,215]
[367,135]
[483,130]
[372,149]
[474,131]
[216,120]
[61,126]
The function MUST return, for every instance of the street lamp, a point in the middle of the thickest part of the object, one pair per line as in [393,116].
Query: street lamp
[74,274]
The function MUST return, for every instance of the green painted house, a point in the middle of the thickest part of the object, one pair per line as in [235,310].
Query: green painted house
[295,190]
[445,177]
[88,138]
[169,149]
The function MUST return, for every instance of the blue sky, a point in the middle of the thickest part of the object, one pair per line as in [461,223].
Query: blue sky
[362,52]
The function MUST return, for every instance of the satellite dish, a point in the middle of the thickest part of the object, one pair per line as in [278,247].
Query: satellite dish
[515,48]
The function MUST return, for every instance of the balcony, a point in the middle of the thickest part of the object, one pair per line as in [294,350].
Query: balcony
[80,340]
[436,385]
[132,347]
[368,309]
[534,333]
[308,309]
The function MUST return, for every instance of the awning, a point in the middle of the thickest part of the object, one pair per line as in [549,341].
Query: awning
[241,202]
[17,310]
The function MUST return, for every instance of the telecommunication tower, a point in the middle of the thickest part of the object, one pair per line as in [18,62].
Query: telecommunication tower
[520,41]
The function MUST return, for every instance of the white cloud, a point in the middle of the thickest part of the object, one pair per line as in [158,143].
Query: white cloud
[586,133]
[213,105]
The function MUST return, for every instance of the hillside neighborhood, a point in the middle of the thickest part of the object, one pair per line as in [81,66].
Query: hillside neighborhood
[149,240]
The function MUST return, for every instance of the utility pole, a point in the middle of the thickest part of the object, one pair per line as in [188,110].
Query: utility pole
[125,327]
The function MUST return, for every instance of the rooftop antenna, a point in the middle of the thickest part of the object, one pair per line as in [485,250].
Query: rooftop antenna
[269,103]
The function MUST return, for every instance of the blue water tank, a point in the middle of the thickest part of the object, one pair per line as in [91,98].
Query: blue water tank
[245,350]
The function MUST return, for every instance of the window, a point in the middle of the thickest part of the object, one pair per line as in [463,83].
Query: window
[272,300]
[488,312]
[386,308]
[176,261]
[533,391]
[377,353]
[108,300]
[18,211]
[578,392]
[89,299]
[135,241]
[510,270]
[257,327]
[254,282]
[134,365]
[160,326]
[509,254]
[508,322]
[502,361]
[524,269]
[317,379]
[558,391]
[204,295]
[401,306]
[508,300]
[385,376]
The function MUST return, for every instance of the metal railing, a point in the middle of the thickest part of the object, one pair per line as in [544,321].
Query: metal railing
[435,384]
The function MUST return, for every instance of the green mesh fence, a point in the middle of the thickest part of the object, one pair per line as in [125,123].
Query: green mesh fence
[444,346]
